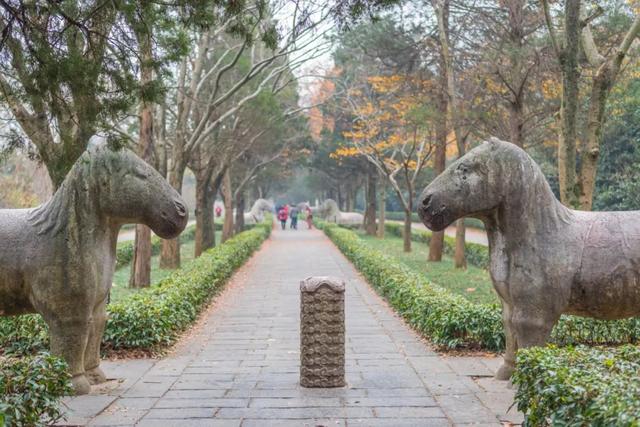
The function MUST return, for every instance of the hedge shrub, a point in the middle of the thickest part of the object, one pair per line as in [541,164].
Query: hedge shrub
[30,389]
[450,320]
[579,386]
[152,316]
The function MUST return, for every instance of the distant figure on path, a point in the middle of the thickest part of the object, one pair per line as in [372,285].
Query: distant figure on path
[309,218]
[218,211]
[294,218]
[282,216]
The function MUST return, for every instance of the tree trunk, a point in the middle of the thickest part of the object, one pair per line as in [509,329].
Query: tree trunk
[381,212]
[406,233]
[460,258]
[351,201]
[454,113]
[170,252]
[205,227]
[567,141]
[227,196]
[516,121]
[141,266]
[370,211]
[161,140]
[436,243]
[240,205]
[601,85]
[516,36]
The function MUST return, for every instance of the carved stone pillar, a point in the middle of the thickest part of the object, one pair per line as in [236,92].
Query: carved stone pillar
[322,332]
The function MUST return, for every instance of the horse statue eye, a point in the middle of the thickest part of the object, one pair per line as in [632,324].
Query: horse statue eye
[139,173]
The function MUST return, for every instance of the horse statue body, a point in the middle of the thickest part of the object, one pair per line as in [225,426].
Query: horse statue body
[330,211]
[546,259]
[58,259]
[256,214]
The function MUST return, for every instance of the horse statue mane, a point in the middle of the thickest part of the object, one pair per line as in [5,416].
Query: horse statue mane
[527,181]
[72,201]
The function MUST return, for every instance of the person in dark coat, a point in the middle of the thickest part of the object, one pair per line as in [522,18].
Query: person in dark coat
[293,214]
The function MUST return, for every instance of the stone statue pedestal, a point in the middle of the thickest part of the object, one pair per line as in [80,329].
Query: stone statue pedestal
[322,332]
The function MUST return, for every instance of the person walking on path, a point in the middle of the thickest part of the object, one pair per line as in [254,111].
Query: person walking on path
[293,214]
[282,216]
[309,218]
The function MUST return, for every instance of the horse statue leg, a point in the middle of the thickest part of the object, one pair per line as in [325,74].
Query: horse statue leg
[525,326]
[69,331]
[509,364]
[92,353]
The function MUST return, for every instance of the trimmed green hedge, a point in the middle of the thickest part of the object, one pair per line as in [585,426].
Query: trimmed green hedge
[579,386]
[152,316]
[448,320]
[30,390]
[452,321]
[476,254]
[23,335]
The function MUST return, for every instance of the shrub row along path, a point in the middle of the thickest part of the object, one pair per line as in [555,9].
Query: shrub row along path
[240,365]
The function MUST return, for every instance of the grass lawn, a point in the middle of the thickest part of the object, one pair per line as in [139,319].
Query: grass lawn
[473,283]
[121,276]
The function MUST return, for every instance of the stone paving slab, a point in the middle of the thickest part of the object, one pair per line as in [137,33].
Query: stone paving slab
[240,365]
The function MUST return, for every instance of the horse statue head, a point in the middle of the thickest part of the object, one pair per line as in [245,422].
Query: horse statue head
[492,175]
[117,186]
[259,208]
[329,210]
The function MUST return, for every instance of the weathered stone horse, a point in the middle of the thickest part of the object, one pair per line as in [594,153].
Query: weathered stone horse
[330,211]
[259,208]
[546,259]
[58,259]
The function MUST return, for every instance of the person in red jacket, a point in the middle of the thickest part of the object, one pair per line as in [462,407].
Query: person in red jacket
[282,216]
[309,218]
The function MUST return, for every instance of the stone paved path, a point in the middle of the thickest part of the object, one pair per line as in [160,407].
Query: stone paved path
[239,367]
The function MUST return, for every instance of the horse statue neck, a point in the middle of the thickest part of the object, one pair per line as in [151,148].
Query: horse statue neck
[529,208]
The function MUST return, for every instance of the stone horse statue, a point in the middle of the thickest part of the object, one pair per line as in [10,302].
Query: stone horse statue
[330,211]
[546,259]
[58,259]
[256,214]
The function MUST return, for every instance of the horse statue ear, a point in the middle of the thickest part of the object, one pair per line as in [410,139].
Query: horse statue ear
[493,142]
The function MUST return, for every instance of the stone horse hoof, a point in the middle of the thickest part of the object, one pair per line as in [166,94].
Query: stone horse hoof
[80,385]
[95,376]
[505,372]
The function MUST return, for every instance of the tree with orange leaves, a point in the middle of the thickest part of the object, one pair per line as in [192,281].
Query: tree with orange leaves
[391,130]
